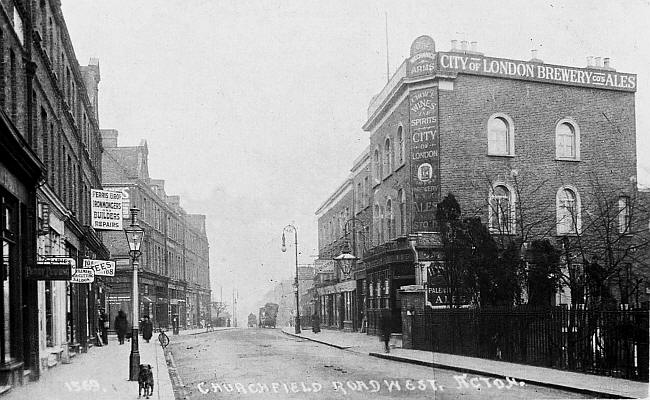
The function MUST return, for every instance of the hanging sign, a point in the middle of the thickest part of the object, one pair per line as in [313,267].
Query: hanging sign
[83,275]
[106,210]
[101,267]
[52,269]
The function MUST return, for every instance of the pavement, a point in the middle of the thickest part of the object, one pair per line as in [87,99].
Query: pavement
[601,386]
[102,373]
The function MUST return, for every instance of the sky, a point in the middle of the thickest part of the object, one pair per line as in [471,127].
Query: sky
[252,110]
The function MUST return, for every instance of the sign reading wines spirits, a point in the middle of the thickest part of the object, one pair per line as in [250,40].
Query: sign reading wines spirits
[535,71]
[100,267]
[106,210]
[425,157]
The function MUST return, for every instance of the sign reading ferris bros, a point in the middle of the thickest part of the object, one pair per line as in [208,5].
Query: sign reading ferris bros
[106,209]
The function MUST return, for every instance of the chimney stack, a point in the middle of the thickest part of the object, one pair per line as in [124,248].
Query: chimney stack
[606,62]
[590,61]
[597,62]
[454,45]
[463,45]
[474,46]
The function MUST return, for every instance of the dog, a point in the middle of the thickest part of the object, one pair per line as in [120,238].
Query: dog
[145,381]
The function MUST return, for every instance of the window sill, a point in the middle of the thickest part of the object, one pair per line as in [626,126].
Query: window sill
[567,159]
[501,155]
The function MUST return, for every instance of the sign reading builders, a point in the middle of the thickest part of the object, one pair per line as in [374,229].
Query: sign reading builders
[106,209]
[100,267]
[425,157]
[535,71]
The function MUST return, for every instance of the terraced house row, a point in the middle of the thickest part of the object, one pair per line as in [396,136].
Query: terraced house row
[51,156]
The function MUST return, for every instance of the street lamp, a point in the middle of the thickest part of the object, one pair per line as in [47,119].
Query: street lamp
[284,249]
[134,234]
[345,261]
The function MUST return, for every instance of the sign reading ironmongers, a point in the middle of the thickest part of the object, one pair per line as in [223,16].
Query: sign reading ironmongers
[106,208]
[83,275]
[101,267]
[425,157]
[52,269]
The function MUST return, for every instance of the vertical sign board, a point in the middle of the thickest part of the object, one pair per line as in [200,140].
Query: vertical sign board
[106,210]
[425,157]
[437,293]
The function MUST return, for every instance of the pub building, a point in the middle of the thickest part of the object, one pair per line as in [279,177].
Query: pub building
[461,122]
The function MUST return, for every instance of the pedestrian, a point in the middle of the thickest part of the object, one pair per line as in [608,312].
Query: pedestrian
[315,323]
[385,329]
[104,324]
[121,326]
[147,328]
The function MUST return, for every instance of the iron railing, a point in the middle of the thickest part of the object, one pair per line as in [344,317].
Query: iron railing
[610,343]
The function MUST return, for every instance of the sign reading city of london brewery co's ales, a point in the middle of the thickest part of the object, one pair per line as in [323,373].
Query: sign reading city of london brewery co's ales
[106,210]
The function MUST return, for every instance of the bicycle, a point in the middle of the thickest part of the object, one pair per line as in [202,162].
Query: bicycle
[163,338]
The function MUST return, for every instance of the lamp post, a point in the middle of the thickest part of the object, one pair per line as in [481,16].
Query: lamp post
[289,228]
[134,234]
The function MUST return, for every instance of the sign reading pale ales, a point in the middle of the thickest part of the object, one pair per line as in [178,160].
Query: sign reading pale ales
[100,267]
[106,210]
[83,275]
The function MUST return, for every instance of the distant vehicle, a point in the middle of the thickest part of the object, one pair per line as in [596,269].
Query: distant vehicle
[268,315]
[252,320]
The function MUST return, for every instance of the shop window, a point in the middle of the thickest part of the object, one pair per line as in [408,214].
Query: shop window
[8,248]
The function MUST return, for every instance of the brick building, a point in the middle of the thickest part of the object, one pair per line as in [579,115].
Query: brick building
[175,281]
[524,145]
[50,102]
[344,224]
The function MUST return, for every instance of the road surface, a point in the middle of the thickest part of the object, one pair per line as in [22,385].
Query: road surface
[267,364]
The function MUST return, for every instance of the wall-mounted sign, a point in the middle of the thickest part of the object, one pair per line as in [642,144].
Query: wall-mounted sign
[425,157]
[83,275]
[101,267]
[43,218]
[106,209]
[52,269]
[438,294]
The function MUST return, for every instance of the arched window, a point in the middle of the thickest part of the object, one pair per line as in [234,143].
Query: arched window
[377,167]
[359,197]
[501,211]
[568,211]
[624,216]
[390,220]
[402,145]
[402,211]
[376,216]
[388,157]
[567,140]
[501,135]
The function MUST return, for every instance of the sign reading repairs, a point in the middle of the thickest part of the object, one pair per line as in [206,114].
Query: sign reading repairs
[106,210]
[536,71]
[101,267]
[425,156]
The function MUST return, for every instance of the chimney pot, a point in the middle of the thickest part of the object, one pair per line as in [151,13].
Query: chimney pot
[533,53]
[454,44]
[474,46]
[597,62]
[606,62]
[463,45]
[589,61]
